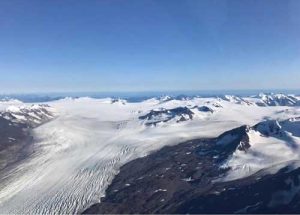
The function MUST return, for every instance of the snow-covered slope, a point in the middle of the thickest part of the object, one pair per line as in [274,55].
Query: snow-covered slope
[261,146]
[79,152]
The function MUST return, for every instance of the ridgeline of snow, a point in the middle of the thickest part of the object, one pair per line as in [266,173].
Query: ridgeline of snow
[237,100]
[29,114]
[274,100]
[263,99]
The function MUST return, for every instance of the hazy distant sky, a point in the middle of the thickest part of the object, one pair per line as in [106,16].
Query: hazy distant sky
[133,45]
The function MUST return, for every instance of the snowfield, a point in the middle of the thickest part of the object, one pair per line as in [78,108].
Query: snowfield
[78,153]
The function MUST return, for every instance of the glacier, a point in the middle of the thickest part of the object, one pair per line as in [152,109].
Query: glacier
[77,154]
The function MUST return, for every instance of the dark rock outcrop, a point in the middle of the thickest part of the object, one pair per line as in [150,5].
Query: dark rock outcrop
[165,115]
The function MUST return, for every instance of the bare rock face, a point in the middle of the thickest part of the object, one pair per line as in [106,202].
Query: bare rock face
[268,127]
[205,109]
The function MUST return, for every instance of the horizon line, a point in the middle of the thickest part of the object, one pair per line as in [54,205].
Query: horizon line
[150,91]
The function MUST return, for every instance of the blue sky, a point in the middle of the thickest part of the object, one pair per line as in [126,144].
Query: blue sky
[143,45]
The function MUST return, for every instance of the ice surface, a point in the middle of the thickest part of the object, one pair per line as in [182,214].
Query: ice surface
[79,152]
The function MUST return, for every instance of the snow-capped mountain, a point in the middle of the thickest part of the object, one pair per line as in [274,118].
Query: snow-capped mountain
[258,147]
[264,100]
[272,99]
[16,123]
[165,98]
[31,115]
[236,100]
[278,100]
